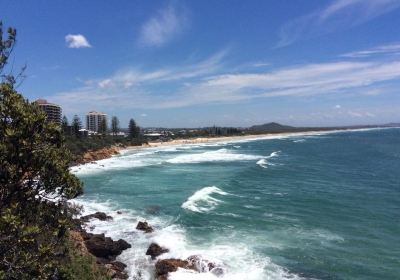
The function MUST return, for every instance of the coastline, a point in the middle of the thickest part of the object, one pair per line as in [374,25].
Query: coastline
[249,137]
[143,264]
[114,150]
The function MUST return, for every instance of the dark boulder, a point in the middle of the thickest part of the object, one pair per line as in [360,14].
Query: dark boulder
[199,264]
[163,267]
[116,270]
[104,247]
[144,226]
[155,250]
[98,215]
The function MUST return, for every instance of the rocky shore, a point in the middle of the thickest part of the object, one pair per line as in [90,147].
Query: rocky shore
[106,250]
[100,154]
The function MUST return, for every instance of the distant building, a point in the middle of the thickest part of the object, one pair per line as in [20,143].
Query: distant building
[53,111]
[84,132]
[94,121]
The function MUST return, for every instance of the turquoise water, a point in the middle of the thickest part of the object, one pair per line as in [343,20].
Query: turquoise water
[311,206]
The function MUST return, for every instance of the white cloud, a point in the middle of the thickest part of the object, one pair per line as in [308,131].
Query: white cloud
[211,81]
[163,27]
[105,83]
[340,14]
[143,115]
[360,114]
[261,64]
[77,41]
[380,50]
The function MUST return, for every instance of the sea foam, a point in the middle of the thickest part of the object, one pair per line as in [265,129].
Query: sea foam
[236,257]
[202,201]
[211,156]
[264,161]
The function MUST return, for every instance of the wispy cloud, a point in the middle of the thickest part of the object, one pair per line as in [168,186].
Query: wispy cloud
[388,49]
[209,82]
[134,87]
[77,41]
[163,27]
[340,14]
[261,64]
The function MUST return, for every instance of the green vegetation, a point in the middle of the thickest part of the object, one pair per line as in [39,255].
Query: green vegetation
[34,185]
[114,125]
[76,125]
[134,130]
[80,266]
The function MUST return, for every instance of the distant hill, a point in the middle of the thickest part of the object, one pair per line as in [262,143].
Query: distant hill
[271,127]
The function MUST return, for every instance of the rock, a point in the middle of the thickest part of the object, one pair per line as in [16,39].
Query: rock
[99,154]
[155,250]
[78,242]
[218,271]
[199,264]
[119,265]
[144,226]
[86,235]
[116,270]
[104,247]
[163,267]
[98,215]
[119,212]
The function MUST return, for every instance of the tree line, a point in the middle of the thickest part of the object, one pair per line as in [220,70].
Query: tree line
[74,128]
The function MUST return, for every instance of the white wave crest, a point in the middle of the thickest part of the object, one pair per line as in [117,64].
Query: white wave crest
[202,201]
[212,156]
[264,161]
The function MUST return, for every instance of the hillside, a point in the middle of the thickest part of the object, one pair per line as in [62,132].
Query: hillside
[271,127]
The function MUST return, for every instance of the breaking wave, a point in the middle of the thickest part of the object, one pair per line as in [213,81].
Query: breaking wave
[202,201]
[264,161]
[210,156]
[236,257]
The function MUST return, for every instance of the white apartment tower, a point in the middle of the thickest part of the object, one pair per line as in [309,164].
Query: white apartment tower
[95,121]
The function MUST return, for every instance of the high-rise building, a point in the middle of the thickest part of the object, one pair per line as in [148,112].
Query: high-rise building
[53,111]
[95,121]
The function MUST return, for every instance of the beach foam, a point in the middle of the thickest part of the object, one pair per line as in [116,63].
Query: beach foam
[202,201]
[141,157]
[210,156]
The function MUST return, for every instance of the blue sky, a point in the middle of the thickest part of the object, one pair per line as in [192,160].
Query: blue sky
[200,63]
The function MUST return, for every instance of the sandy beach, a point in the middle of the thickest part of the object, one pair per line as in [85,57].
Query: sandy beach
[202,140]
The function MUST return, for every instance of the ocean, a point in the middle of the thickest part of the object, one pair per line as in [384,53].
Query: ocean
[299,206]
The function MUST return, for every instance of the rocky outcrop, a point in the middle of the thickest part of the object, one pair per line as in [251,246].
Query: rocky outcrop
[104,247]
[116,270]
[155,250]
[103,153]
[98,215]
[196,263]
[144,226]
[163,267]
[203,265]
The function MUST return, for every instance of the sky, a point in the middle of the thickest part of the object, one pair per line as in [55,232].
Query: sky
[203,63]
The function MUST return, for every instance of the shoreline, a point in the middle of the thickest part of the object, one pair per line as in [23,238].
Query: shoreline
[250,137]
[115,150]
